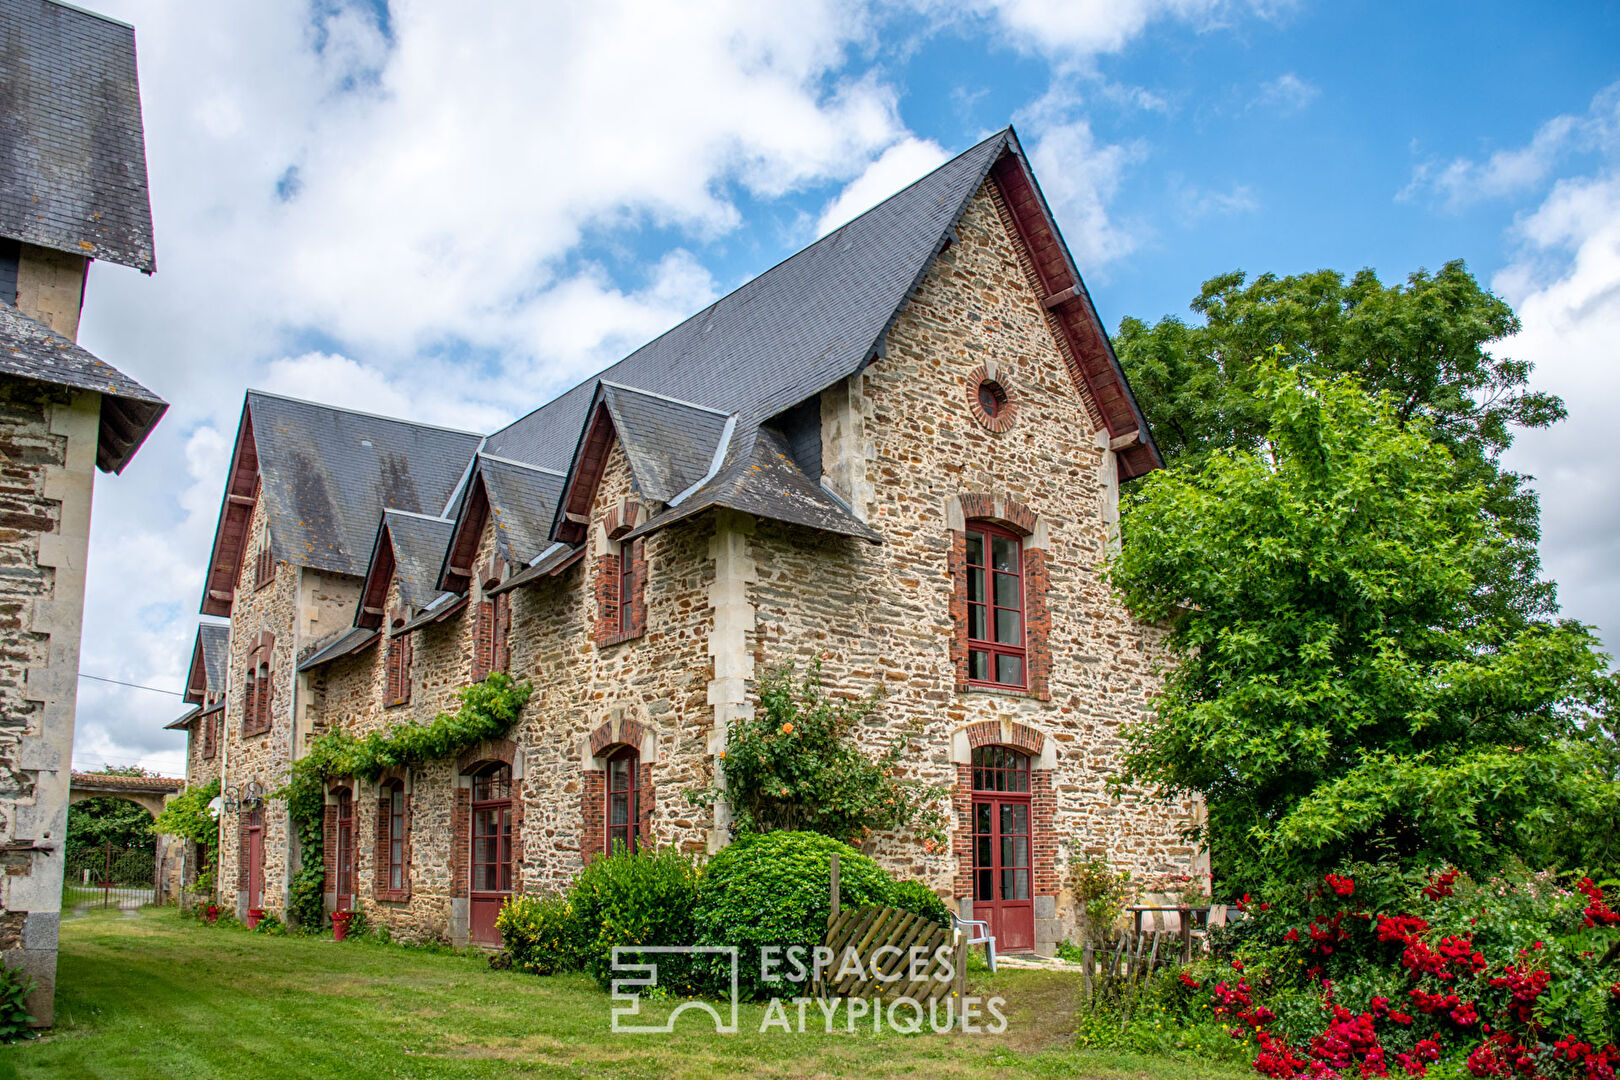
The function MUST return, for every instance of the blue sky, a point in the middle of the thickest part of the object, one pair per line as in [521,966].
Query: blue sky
[453,213]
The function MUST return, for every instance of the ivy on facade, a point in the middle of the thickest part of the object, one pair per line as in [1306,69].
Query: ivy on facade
[487,710]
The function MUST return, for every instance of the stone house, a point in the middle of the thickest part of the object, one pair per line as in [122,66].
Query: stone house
[72,189]
[898,452]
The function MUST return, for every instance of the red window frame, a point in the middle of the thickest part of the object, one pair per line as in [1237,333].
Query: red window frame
[398,690]
[990,660]
[208,737]
[492,847]
[1003,845]
[623,794]
[344,885]
[396,837]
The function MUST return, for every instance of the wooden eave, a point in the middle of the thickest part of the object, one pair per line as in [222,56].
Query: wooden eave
[456,574]
[197,677]
[379,575]
[1089,353]
[235,516]
[584,475]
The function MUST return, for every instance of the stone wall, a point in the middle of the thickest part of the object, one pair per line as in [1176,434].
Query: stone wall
[881,615]
[50,288]
[47,470]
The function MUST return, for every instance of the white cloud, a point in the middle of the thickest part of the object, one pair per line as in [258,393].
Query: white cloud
[1566,288]
[1194,203]
[1463,181]
[1080,176]
[1079,29]
[898,166]
[1287,93]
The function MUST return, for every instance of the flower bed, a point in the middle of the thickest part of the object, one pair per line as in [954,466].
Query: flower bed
[1375,974]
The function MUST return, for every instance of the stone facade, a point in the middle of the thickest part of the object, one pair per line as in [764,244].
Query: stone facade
[722,597]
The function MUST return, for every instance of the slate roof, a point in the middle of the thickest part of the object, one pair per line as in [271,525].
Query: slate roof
[522,500]
[329,473]
[72,151]
[671,444]
[216,650]
[129,411]
[418,550]
[768,484]
[184,720]
[344,643]
[789,333]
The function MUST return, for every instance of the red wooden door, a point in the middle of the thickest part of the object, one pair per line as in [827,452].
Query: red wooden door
[1001,847]
[491,853]
[255,856]
[345,852]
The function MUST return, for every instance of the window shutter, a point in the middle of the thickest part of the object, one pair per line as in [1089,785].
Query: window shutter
[250,701]
[483,640]
[500,648]
[638,588]
[391,673]
[266,694]
[407,648]
[379,851]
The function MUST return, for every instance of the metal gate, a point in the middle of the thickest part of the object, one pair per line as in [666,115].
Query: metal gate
[109,876]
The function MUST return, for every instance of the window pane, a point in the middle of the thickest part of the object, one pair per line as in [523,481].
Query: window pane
[1010,670]
[981,819]
[1009,627]
[976,622]
[981,886]
[396,878]
[618,773]
[1007,591]
[618,810]
[979,666]
[981,851]
[975,585]
[975,549]
[1005,553]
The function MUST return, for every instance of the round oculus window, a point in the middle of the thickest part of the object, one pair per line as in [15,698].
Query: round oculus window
[992,398]
[992,406]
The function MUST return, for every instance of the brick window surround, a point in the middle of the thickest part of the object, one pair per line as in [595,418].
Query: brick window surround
[258,687]
[615,739]
[621,594]
[1042,800]
[991,405]
[487,753]
[965,513]
[391,858]
[491,651]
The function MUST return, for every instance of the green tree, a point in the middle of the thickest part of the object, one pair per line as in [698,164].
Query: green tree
[1345,686]
[94,822]
[1425,343]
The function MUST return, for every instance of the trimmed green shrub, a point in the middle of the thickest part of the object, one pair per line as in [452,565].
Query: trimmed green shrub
[919,899]
[544,934]
[636,898]
[772,889]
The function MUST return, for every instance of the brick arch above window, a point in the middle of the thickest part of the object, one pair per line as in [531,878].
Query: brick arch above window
[623,731]
[487,752]
[1000,511]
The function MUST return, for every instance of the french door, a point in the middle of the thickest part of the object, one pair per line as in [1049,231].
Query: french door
[491,860]
[1001,847]
[345,852]
[255,857]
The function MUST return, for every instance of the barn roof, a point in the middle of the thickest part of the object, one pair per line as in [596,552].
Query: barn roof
[73,170]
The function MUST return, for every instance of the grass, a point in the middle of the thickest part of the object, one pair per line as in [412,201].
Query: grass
[156,996]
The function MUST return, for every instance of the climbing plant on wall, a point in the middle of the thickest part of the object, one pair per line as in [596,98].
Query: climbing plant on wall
[487,710]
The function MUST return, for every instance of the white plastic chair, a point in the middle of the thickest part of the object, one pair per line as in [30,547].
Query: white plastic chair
[978,933]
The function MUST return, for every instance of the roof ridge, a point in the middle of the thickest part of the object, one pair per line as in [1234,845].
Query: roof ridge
[92,14]
[362,412]
[664,397]
[415,514]
[520,464]
[598,376]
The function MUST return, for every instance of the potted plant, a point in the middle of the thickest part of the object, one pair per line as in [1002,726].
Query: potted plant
[212,914]
[340,924]
[254,914]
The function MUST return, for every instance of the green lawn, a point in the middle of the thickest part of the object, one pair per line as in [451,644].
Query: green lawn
[155,996]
